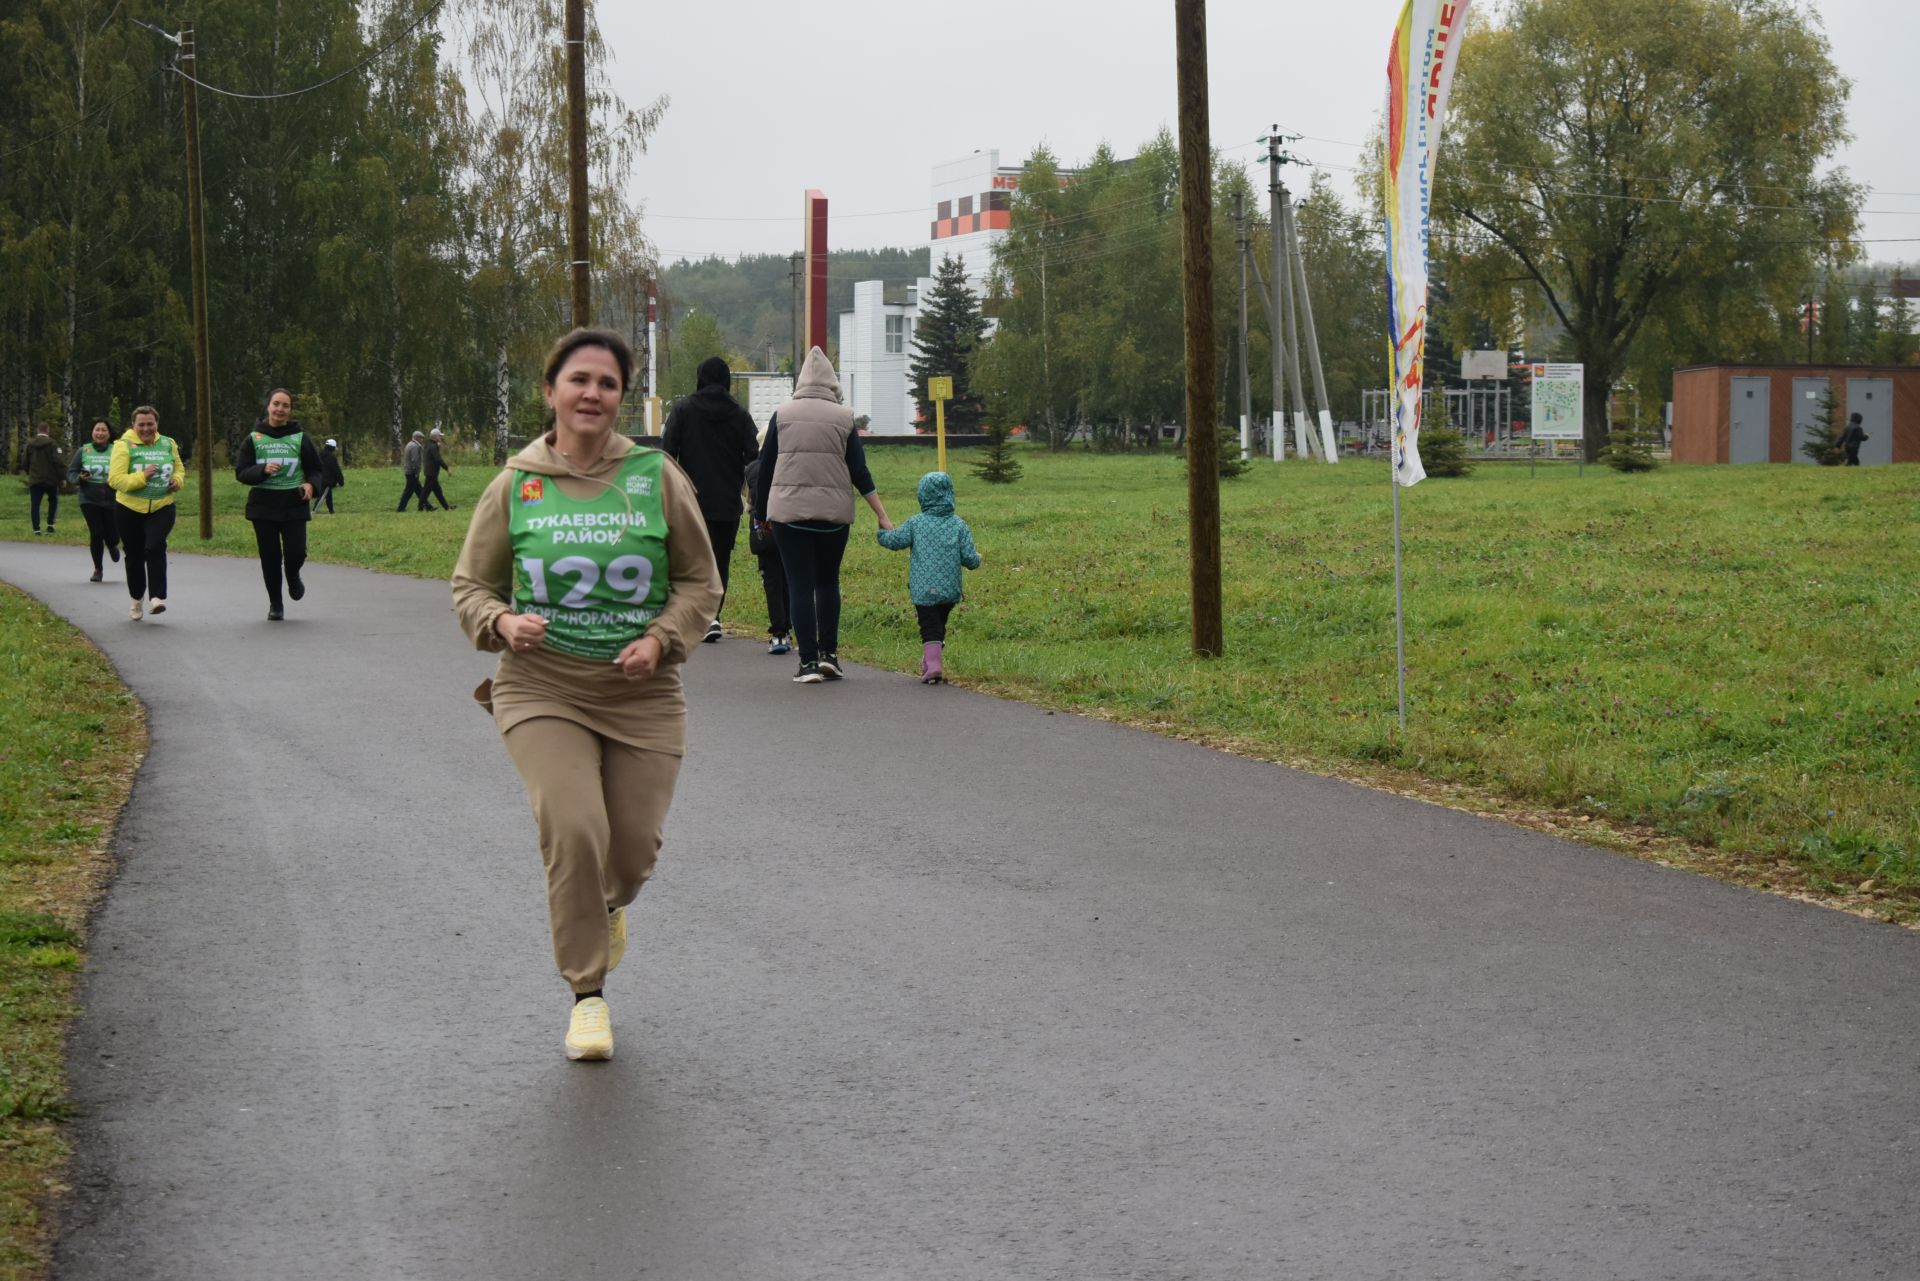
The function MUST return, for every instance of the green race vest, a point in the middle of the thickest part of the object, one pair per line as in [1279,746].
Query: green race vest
[284,450]
[94,463]
[595,569]
[158,454]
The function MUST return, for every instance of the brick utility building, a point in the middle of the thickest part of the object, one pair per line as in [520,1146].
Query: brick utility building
[1764,413]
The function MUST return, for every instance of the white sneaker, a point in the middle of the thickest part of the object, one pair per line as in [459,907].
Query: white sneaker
[715,632]
[157,605]
[590,1034]
[133,611]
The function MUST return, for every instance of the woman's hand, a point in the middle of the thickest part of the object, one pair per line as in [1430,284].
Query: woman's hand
[273,469]
[173,486]
[306,492]
[641,659]
[521,632]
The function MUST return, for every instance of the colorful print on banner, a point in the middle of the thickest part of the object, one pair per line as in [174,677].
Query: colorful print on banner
[1426,48]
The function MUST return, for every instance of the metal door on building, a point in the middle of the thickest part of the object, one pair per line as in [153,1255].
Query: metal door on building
[1750,417]
[1809,401]
[1872,399]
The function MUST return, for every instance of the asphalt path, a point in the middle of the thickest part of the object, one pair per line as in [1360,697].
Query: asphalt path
[929,985]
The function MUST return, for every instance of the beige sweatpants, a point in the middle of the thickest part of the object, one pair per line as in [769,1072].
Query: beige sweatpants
[601,805]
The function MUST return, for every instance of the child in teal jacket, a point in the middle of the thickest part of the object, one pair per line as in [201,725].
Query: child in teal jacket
[941,544]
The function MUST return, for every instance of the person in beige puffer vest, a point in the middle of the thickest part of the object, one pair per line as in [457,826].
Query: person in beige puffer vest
[811,465]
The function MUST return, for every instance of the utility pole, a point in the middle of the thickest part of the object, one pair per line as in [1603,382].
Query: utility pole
[1327,444]
[1277,275]
[1246,385]
[1290,325]
[197,237]
[794,275]
[1196,227]
[577,160]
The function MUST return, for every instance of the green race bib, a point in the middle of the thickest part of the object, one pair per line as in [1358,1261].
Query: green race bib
[595,569]
[95,462]
[284,450]
[158,454]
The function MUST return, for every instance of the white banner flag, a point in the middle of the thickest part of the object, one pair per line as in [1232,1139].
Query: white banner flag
[1426,47]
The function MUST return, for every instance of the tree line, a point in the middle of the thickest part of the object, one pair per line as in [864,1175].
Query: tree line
[390,246]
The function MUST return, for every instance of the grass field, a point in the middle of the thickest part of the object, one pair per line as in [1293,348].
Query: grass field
[70,736]
[1724,657]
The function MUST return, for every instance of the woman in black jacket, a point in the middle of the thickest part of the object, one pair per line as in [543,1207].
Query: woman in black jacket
[331,478]
[88,473]
[282,466]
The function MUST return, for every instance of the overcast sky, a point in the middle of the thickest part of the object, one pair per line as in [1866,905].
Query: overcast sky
[861,98]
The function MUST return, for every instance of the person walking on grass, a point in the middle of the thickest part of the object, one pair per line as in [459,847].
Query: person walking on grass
[940,545]
[773,574]
[435,464]
[587,568]
[712,438]
[1851,439]
[330,478]
[88,472]
[44,476]
[810,467]
[411,459]
[145,474]
[278,462]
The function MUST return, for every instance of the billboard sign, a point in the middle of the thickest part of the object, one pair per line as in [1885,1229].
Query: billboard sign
[1559,400]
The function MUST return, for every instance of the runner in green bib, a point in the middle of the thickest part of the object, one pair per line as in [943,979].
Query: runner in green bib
[145,474]
[595,569]
[88,473]
[279,465]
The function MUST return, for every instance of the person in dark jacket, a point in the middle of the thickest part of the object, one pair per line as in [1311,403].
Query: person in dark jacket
[331,477]
[44,476]
[436,463]
[410,461]
[88,472]
[280,463]
[773,575]
[712,438]
[1851,439]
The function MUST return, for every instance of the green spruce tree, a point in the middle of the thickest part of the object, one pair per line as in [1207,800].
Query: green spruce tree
[996,464]
[1823,437]
[945,337]
[1443,451]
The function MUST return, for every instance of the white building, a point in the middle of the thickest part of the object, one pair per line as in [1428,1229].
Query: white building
[972,203]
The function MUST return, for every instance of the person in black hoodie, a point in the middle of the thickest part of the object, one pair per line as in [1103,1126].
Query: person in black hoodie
[281,465]
[713,440]
[88,472]
[331,478]
[44,475]
[1851,439]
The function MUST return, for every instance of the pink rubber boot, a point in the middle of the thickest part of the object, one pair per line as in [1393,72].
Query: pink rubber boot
[930,663]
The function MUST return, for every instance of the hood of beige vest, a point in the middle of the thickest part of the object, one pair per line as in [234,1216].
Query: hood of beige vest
[817,380]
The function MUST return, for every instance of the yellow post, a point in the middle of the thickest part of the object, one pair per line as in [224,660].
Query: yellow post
[940,391]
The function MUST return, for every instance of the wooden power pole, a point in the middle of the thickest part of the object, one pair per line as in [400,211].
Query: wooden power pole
[577,159]
[197,238]
[1196,228]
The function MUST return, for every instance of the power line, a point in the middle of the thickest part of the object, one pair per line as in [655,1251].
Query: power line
[358,67]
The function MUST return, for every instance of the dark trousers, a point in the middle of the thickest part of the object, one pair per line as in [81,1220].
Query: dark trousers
[933,620]
[52,494]
[812,558]
[773,577]
[1853,458]
[413,487]
[145,538]
[723,534]
[432,490]
[101,533]
[324,495]
[283,550]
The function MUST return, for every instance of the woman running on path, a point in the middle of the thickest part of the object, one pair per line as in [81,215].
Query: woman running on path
[280,463]
[88,472]
[587,568]
[810,465]
[145,473]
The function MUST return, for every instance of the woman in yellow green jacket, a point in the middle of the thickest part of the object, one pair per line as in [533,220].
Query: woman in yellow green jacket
[145,475]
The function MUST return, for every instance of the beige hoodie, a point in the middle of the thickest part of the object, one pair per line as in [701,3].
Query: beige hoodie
[649,714]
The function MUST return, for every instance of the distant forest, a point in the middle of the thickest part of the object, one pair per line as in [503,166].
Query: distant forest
[752,297]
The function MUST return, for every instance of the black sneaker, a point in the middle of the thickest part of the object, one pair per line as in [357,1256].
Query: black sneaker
[714,632]
[809,674]
[295,588]
[114,551]
[830,666]
[274,614]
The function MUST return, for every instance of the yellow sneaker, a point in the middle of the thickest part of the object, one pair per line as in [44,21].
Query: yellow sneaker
[590,1034]
[616,937]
